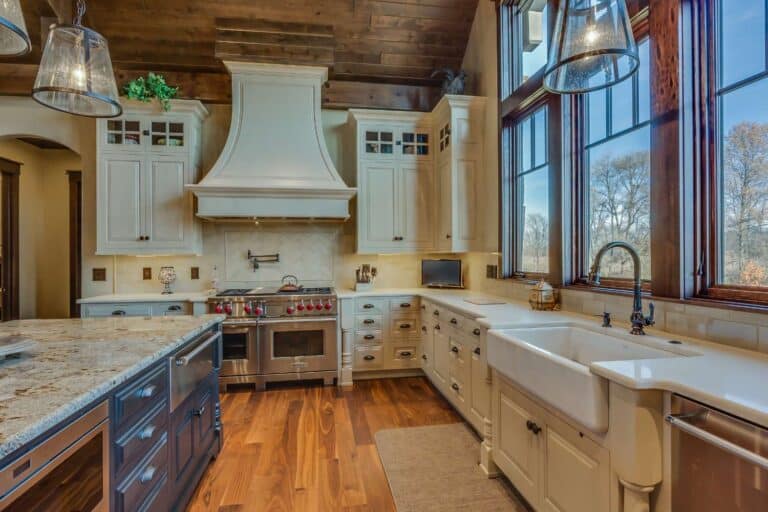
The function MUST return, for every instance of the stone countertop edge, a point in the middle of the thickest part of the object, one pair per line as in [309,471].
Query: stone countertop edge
[77,404]
[146,297]
[740,394]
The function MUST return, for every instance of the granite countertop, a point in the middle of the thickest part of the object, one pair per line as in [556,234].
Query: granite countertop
[146,297]
[728,378]
[75,362]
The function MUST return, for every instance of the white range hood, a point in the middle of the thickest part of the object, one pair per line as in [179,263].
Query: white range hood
[275,163]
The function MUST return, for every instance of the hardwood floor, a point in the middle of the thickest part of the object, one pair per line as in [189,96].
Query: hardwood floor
[312,448]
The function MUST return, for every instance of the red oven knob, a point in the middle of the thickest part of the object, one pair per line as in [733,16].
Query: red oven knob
[328,306]
[290,310]
[310,306]
[300,307]
[248,308]
[258,311]
[228,309]
[219,308]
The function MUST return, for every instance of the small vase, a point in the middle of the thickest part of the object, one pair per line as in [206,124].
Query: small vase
[167,276]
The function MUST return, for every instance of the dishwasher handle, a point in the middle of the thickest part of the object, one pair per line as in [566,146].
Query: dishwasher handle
[679,421]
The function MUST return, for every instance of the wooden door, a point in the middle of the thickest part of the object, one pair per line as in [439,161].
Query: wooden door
[416,205]
[378,208]
[166,201]
[120,202]
[9,202]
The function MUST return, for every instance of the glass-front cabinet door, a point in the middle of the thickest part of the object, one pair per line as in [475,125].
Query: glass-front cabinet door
[379,142]
[123,132]
[415,142]
[167,134]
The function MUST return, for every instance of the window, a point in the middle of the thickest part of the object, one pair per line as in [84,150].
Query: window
[616,153]
[741,187]
[531,20]
[532,193]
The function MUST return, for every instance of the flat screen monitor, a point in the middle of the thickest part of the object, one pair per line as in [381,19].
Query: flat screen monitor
[441,273]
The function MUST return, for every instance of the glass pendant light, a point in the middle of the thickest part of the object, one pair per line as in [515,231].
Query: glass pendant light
[14,39]
[592,47]
[75,73]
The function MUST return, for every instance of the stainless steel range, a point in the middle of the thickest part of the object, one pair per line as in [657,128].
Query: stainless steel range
[278,335]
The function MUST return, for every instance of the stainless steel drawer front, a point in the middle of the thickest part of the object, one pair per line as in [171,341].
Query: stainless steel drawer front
[191,367]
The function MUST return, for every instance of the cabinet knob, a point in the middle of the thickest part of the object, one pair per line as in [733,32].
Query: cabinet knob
[424,356]
[369,336]
[448,236]
[437,327]
[198,412]
[146,391]
[174,308]
[405,326]
[405,354]
[455,349]
[423,328]
[146,433]
[476,332]
[369,358]
[455,386]
[405,305]
[454,321]
[533,427]
[147,475]
[477,351]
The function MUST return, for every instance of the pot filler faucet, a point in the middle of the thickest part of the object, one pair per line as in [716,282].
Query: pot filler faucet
[638,319]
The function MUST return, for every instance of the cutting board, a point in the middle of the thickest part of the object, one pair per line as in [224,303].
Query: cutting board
[484,302]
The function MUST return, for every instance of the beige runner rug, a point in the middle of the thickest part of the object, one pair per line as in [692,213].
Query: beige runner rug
[435,469]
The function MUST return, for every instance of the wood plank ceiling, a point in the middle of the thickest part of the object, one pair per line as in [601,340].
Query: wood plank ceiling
[379,52]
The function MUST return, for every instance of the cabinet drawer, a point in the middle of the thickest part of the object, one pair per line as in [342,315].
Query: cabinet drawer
[369,322]
[406,357]
[404,304]
[135,489]
[473,329]
[368,358]
[171,308]
[132,309]
[372,306]
[452,319]
[368,337]
[136,442]
[140,396]
[157,501]
[457,390]
[404,328]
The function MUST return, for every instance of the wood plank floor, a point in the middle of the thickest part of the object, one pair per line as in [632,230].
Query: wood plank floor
[312,448]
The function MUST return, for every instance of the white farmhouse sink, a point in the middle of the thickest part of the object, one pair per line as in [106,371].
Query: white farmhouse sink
[552,362]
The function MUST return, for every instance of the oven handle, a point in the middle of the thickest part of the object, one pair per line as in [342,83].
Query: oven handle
[677,420]
[186,358]
[298,320]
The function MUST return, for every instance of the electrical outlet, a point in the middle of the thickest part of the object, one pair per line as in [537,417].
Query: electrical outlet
[491,271]
[146,273]
[195,273]
[99,274]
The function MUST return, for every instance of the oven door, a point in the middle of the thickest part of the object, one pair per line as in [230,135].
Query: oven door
[239,350]
[297,346]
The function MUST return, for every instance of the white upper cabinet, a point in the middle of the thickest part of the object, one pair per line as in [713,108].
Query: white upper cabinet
[145,158]
[458,122]
[395,178]
[427,199]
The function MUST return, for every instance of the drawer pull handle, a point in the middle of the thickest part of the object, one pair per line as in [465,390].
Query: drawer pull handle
[369,321]
[455,349]
[455,386]
[147,475]
[533,427]
[436,313]
[198,412]
[369,358]
[405,326]
[454,321]
[477,351]
[146,391]
[368,306]
[405,354]
[405,305]
[369,337]
[146,433]
[174,308]
[118,312]
[476,332]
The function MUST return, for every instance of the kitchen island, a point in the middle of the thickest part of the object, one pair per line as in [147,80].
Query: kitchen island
[137,396]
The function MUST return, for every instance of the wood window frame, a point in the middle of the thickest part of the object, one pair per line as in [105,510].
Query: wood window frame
[515,105]
[705,261]
[578,262]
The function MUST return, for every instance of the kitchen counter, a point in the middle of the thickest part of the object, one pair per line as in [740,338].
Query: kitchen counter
[723,377]
[75,362]
[146,297]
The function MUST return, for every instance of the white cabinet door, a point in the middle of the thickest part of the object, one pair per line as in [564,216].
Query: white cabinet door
[575,476]
[481,391]
[445,202]
[517,450]
[120,203]
[442,358]
[466,205]
[427,347]
[415,206]
[378,208]
[166,203]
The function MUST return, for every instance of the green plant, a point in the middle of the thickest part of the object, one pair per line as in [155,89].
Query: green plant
[149,88]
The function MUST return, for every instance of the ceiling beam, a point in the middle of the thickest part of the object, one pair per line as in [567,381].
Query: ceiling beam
[208,87]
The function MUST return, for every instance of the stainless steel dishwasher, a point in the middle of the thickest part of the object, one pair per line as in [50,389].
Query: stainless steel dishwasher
[719,462]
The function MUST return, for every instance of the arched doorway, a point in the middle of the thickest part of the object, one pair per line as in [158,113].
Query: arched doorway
[40,215]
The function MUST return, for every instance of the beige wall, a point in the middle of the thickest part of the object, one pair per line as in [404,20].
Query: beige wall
[43,227]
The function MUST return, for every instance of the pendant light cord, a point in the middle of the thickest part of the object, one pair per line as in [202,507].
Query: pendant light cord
[79,12]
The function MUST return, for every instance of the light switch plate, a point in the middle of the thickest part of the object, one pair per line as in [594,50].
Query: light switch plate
[146,273]
[194,273]
[99,274]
